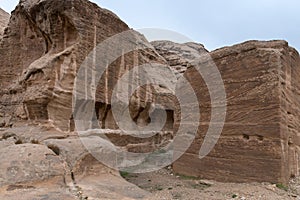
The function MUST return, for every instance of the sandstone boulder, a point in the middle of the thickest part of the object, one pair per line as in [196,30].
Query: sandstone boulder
[28,163]
[42,162]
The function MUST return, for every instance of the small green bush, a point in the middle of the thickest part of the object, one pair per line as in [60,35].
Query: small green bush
[282,186]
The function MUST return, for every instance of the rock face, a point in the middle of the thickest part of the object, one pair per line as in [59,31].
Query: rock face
[4,18]
[42,52]
[44,45]
[179,56]
[259,141]
[41,162]
[29,162]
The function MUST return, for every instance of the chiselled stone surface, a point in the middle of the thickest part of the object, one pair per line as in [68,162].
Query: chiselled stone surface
[259,139]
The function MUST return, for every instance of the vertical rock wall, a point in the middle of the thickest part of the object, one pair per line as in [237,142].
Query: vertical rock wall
[259,139]
[41,51]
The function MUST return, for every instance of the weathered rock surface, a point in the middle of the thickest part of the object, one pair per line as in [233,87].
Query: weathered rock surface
[4,18]
[177,55]
[259,141]
[49,43]
[29,162]
[44,163]
[41,53]
[50,189]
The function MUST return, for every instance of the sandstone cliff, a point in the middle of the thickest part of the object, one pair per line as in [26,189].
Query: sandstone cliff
[41,52]
[4,18]
[259,141]
[43,48]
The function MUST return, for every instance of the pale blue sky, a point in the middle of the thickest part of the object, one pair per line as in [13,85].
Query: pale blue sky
[214,23]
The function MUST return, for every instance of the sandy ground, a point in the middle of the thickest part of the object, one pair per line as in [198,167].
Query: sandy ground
[164,185]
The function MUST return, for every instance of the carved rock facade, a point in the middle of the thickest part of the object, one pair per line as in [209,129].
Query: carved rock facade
[259,141]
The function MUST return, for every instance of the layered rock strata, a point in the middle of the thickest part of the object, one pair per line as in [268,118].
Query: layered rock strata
[259,141]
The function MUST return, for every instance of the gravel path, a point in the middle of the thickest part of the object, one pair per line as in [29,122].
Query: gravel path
[164,185]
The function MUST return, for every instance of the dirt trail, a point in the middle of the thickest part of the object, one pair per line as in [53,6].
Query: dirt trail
[164,185]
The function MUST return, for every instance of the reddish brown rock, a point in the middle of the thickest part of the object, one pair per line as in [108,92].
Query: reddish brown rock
[259,139]
[29,163]
[179,56]
[49,42]
[43,162]
[4,18]
[42,51]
